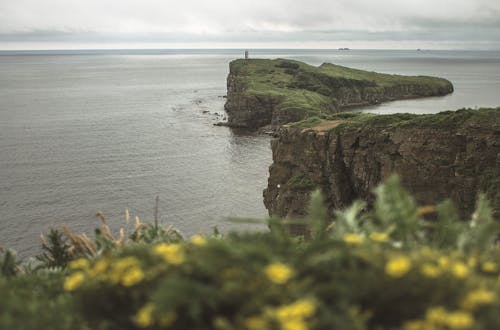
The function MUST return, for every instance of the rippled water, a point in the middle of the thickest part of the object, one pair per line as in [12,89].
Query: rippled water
[88,131]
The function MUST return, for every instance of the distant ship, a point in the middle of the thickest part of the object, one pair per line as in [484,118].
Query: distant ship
[344,48]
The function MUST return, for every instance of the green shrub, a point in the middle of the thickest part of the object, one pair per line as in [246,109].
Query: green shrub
[382,269]
[9,265]
[33,302]
[55,250]
[300,182]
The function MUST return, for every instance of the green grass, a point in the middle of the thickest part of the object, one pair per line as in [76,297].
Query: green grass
[441,120]
[300,182]
[309,122]
[380,79]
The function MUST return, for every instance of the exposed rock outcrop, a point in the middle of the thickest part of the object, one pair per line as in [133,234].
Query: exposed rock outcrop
[450,154]
[275,92]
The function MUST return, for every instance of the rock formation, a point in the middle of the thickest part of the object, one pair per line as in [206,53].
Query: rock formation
[447,155]
[275,92]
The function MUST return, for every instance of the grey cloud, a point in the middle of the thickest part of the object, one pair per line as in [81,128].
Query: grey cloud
[255,20]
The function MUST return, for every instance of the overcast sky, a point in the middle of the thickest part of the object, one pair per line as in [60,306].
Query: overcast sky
[397,24]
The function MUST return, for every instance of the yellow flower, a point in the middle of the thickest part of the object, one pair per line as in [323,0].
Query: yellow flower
[477,298]
[171,253]
[294,324]
[124,263]
[278,273]
[379,237]
[81,263]
[99,268]
[255,323]
[430,271]
[304,308]
[472,262]
[74,281]
[198,240]
[144,317]
[132,277]
[459,270]
[353,239]
[489,267]
[120,267]
[398,266]
[437,315]
[444,263]
[300,309]
[459,320]
[415,325]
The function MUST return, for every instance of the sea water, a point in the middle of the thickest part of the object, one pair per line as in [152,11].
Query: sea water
[89,131]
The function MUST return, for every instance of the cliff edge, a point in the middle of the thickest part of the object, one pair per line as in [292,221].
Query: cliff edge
[263,92]
[446,155]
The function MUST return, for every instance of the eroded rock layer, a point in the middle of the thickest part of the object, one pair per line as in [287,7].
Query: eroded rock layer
[450,154]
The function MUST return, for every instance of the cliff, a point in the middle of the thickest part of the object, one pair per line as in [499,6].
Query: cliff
[447,155]
[275,92]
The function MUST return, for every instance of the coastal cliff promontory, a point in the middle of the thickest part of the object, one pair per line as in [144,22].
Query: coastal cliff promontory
[446,155]
[263,92]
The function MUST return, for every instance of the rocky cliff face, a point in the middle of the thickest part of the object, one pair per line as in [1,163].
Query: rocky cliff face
[276,92]
[368,96]
[246,110]
[454,154]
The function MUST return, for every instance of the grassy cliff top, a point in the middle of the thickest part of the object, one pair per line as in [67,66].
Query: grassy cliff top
[315,90]
[442,120]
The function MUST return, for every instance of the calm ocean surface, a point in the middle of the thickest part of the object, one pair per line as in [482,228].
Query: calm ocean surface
[108,130]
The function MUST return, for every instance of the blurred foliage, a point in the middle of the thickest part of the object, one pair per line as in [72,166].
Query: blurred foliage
[56,250]
[9,265]
[37,301]
[398,266]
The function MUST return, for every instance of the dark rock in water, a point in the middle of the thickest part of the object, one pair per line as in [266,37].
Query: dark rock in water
[275,92]
[269,130]
[447,155]
[205,111]
[221,123]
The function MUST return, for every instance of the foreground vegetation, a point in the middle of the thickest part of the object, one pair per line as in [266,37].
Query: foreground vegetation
[398,266]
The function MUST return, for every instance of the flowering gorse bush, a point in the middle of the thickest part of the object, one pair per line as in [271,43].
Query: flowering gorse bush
[383,269]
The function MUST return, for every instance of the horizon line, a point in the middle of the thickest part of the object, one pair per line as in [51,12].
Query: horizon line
[343,49]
